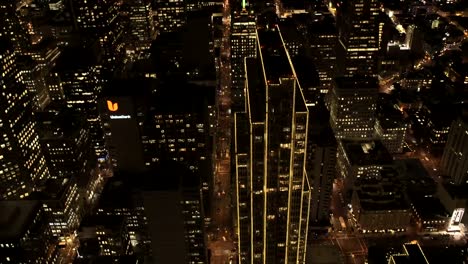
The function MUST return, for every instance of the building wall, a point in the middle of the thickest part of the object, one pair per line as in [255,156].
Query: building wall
[455,158]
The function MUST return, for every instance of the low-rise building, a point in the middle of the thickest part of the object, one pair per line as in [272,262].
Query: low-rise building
[361,159]
[378,204]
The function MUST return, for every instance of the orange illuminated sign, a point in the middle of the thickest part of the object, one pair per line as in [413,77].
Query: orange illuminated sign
[112,106]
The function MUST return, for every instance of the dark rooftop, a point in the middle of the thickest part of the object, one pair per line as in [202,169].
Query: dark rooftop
[356,83]
[365,153]
[74,58]
[16,217]
[5,45]
[256,90]
[275,59]
[107,260]
[59,125]
[428,207]
[54,190]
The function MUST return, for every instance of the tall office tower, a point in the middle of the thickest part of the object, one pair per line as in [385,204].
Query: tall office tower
[170,14]
[455,158]
[24,233]
[323,40]
[321,165]
[122,109]
[353,103]
[243,44]
[272,189]
[175,215]
[65,140]
[78,74]
[62,205]
[32,77]
[11,26]
[142,27]
[179,131]
[358,29]
[100,20]
[22,164]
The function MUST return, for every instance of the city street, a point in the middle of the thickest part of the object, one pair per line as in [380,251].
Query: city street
[221,243]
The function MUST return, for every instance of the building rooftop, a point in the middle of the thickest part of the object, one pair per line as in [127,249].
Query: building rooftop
[107,260]
[16,218]
[306,73]
[365,153]
[428,207]
[412,254]
[321,24]
[65,124]
[75,58]
[5,44]
[256,89]
[324,254]
[53,189]
[378,194]
[357,83]
[273,53]
[456,191]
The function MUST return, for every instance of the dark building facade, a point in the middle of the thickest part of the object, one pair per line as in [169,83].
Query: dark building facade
[358,28]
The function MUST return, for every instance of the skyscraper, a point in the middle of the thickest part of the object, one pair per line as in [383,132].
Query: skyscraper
[323,41]
[79,74]
[358,28]
[272,189]
[243,44]
[455,158]
[141,25]
[352,107]
[11,26]
[170,14]
[99,20]
[65,140]
[321,164]
[22,164]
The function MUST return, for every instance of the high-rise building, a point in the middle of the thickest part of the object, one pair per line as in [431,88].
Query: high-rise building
[321,164]
[358,28]
[24,233]
[122,109]
[323,40]
[272,188]
[33,79]
[78,75]
[179,131]
[22,164]
[62,205]
[11,25]
[243,44]
[175,215]
[353,102]
[455,158]
[141,24]
[170,15]
[100,20]
[65,140]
